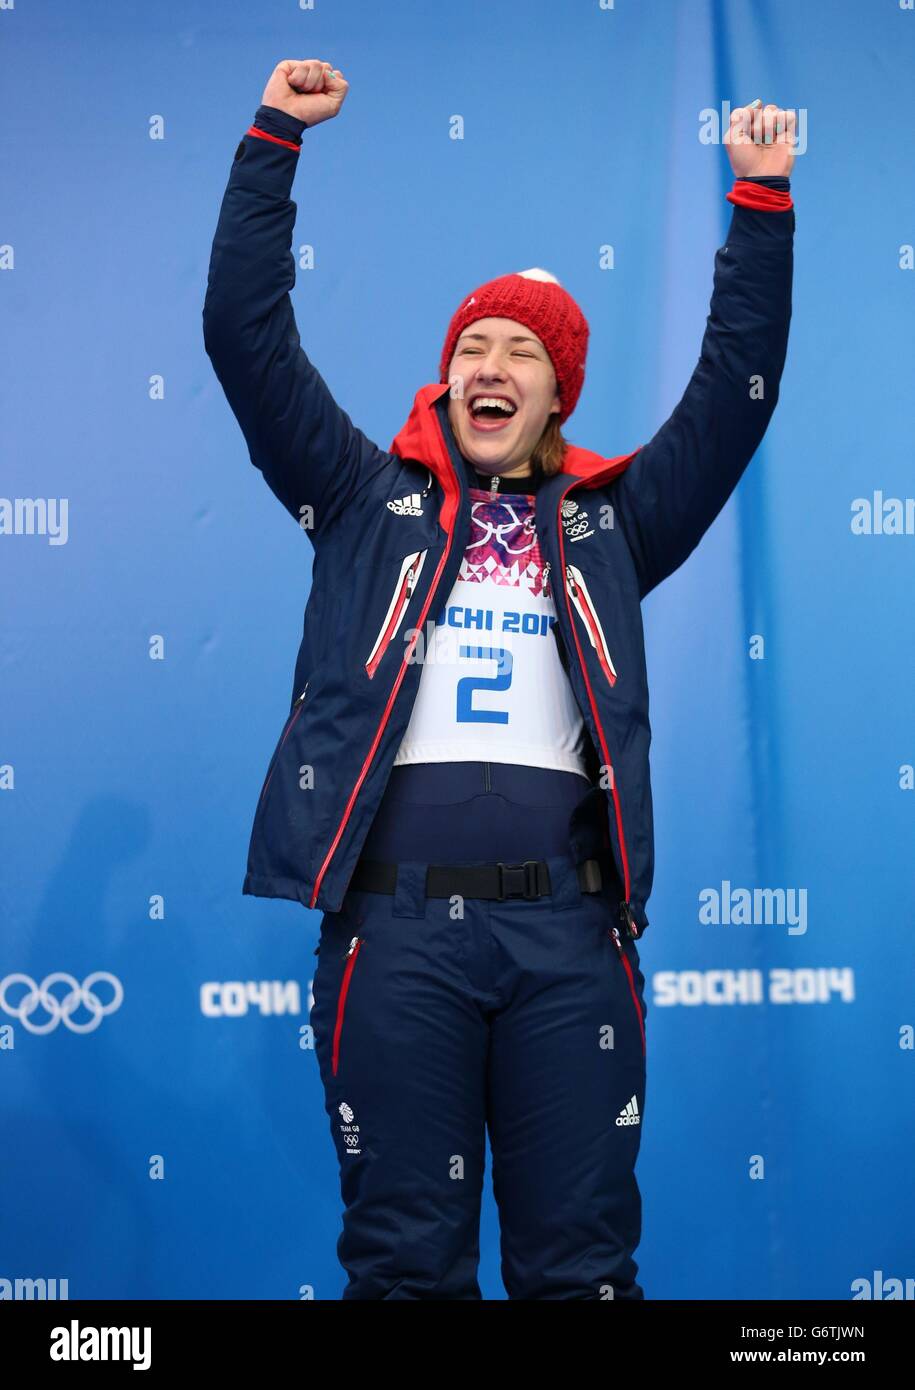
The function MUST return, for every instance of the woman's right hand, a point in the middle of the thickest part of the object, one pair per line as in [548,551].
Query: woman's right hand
[309,89]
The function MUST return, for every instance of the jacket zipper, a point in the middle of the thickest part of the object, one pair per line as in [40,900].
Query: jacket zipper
[614,932]
[400,599]
[588,614]
[293,716]
[367,762]
[625,907]
[350,958]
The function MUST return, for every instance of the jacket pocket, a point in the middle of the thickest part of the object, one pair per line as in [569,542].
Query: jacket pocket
[351,957]
[400,599]
[578,592]
[287,729]
[630,977]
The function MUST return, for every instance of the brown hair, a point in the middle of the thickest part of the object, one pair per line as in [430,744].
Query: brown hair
[550,448]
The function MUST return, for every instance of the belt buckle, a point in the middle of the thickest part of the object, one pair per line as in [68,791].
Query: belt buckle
[523,881]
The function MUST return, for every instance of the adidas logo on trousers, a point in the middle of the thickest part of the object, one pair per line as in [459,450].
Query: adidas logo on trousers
[629,1115]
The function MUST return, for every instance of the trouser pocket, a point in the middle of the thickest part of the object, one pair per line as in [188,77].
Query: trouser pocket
[340,942]
[350,959]
[631,983]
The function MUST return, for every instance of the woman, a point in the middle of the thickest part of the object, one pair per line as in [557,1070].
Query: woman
[462,783]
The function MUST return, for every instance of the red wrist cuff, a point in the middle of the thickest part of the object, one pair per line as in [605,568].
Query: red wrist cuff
[274,139]
[757,196]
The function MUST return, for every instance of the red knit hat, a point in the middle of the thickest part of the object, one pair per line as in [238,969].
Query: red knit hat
[536,299]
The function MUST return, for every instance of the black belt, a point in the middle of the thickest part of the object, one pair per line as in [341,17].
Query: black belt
[530,880]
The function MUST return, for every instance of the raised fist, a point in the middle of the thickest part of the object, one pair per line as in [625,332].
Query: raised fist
[309,89]
[761,140]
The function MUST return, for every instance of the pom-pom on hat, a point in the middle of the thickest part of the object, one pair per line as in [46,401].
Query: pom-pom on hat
[535,298]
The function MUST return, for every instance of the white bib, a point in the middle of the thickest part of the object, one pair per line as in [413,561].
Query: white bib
[492,687]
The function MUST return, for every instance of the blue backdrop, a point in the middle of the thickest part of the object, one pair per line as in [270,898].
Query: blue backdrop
[177,1146]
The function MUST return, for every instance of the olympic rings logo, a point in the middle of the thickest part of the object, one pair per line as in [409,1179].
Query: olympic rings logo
[577,527]
[61,1009]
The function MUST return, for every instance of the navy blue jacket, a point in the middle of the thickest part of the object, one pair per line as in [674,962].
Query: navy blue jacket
[382,574]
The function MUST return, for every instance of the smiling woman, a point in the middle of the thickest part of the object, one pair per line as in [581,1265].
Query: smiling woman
[514,380]
[478,827]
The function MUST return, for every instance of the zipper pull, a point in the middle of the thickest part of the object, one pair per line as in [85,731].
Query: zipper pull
[546,579]
[352,946]
[626,914]
[570,581]
[494,485]
[303,694]
[614,932]
[411,582]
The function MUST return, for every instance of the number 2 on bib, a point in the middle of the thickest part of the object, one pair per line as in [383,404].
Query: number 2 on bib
[466,714]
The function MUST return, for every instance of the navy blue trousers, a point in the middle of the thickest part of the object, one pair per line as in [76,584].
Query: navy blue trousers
[435,1020]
